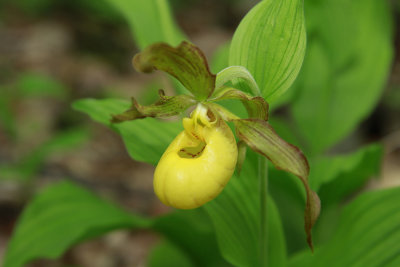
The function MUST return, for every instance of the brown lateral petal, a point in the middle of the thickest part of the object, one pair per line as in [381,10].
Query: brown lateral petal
[166,106]
[256,106]
[262,138]
[242,149]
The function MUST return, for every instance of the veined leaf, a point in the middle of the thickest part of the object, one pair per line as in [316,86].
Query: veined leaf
[270,42]
[145,140]
[191,231]
[151,21]
[66,214]
[334,178]
[236,74]
[289,195]
[236,217]
[61,216]
[166,254]
[342,81]
[345,173]
[367,235]
[339,177]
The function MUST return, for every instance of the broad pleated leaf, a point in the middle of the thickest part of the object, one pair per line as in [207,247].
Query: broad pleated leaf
[145,140]
[260,137]
[368,234]
[334,178]
[151,21]
[185,62]
[192,232]
[166,254]
[337,178]
[66,214]
[165,107]
[345,173]
[289,195]
[341,80]
[235,74]
[236,216]
[63,215]
[270,42]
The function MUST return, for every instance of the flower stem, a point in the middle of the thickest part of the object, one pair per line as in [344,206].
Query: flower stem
[263,181]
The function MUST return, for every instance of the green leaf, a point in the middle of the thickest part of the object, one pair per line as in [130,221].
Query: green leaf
[61,216]
[289,195]
[235,73]
[367,235]
[336,178]
[256,106]
[145,140]
[236,217]
[341,81]
[151,21]
[345,173]
[166,106]
[191,231]
[66,214]
[185,62]
[270,42]
[260,137]
[166,254]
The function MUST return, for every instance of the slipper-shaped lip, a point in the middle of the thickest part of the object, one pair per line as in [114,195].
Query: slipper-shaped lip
[188,181]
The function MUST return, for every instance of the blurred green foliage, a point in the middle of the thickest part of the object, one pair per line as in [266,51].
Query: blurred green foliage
[29,165]
[167,254]
[150,21]
[34,86]
[27,85]
[37,8]
[82,215]
[349,55]
[69,214]
[367,234]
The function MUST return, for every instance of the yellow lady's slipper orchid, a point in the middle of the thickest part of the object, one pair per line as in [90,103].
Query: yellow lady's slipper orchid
[198,163]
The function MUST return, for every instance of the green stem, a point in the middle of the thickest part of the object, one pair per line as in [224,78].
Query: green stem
[263,180]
